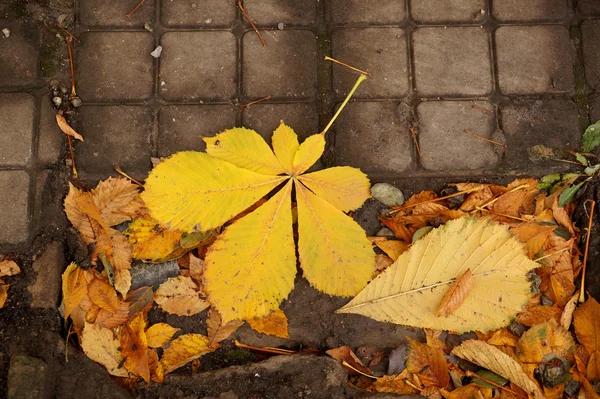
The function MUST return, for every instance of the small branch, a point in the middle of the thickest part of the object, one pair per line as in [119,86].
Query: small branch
[73,92]
[251,23]
[484,139]
[74,169]
[347,66]
[360,79]
[345,363]
[490,202]
[473,375]
[414,136]
[475,106]
[135,9]
[500,214]
[66,31]
[119,171]
[255,102]
[266,349]
[552,254]
[585,254]
[403,207]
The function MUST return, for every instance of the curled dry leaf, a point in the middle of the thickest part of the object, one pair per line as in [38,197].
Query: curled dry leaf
[468,391]
[160,334]
[503,337]
[66,129]
[118,200]
[275,323]
[134,347]
[382,262]
[457,293]
[392,248]
[180,296]
[156,371]
[344,355]
[9,268]
[217,331]
[74,287]
[102,346]
[538,314]
[394,384]
[184,349]
[428,363]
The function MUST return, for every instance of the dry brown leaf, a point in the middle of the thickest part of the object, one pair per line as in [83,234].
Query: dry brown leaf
[134,347]
[197,267]
[394,384]
[562,216]
[433,338]
[107,319]
[84,215]
[431,392]
[533,235]
[66,129]
[468,391]
[503,337]
[74,287]
[160,334]
[3,293]
[103,294]
[476,199]
[156,371]
[121,260]
[9,268]
[344,354]
[567,315]
[117,199]
[180,296]
[101,345]
[538,314]
[519,202]
[428,363]
[457,293]
[371,354]
[218,332]
[392,248]
[587,328]
[382,262]
[400,230]
[184,349]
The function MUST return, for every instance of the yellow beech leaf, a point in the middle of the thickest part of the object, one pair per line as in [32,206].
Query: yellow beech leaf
[3,293]
[493,359]
[344,187]
[180,296]
[393,248]
[114,197]
[159,334]
[66,129]
[102,346]
[184,349]
[156,371]
[456,294]
[9,268]
[217,331]
[150,241]
[409,291]
[540,340]
[285,145]
[134,347]
[74,287]
[245,149]
[335,254]
[275,323]
[103,294]
[261,246]
[193,191]
[308,153]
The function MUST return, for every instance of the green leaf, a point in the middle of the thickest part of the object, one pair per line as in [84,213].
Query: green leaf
[488,375]
[581,159]
[591,170]
[591,137]
[421,233]
[548,181]
[569,194]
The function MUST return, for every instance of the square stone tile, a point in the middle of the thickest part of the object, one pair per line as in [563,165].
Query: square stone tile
[14,207]
[452,61]
[115,66]
[435,11]
[110,13]
[444,144]
[528,123]
[381,51]
[51,140]
[114,136]
[371,136]
[286,67]
[206,13]
[19,54]
[265,118]
[589,7]
[181,127]
[17,113]
[198,65]
[530,10]
[367,11]
[591,51]
[272,12]
[534,59]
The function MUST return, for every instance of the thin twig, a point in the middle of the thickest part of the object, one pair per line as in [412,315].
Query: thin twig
[135,9]
[266,349]
[484,139]
[127,176]
[360,79]
[552,254]
[500,214]
[255,102]
[490,202]
[475,106]
[345,363]
[67,343]
[414,136]
[403,207]
[473,375]
[75,174]
[251,23]
[347,66]
[73,92]
[585,254]
[567,161]
[66,31]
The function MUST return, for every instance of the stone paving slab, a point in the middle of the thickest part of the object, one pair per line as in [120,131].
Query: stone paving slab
[591,51]
[265,118]
[16,118]
[198,13]
[110,13]
[434,11]
[51,141]
[373,12]
[14,212]
[530,10]
[588,7]
[288,12]
[19,54]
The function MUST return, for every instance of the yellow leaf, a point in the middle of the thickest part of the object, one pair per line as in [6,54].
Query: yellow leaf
[261,246]
[540,340]
[217,331]
[120,260]
[150,241]
[9,268]
[100,345]
[587,327]
[156,371]
[114,197]
[393,384]
[197,267]
[285,145]
[456,294]
[470,391]
[193,191]
[103,294]
[393,248]
[3,293]
[245,149]
[134,347]
[567,315]
[344,187]
[184,349]
[275,323]
[493,359]
[159,334]
[84,215]
[335,254]
[66,129]
[180,296]
[308,153]
[503,337]
[429,363]
[74,287]
[409,291]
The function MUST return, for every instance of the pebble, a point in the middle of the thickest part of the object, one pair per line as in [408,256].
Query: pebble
[6,32]
[76,102]
[280,26]
[56,101]
[387,194]
[148,27]
[385,232]
[157,51]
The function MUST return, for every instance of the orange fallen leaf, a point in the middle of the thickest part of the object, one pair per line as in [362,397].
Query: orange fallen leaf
[3,293]
[9,268]
[476,199]
[74,287]
[118,200]
[275,323]
[428,363]
[567,315]
[180,296]
[156,371]
[503,337]
[134,347]
[587,328]
[66,129]
[534,235]
[392,248]
[456,294]
[344,354]
[394,384]
[468,391]
[218,332]
[184,349]
[103,294]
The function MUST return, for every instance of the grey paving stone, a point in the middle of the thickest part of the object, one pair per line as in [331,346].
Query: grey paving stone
[371,136]
[272,12]
[528,123]
[433,11]
[534,59]
[46,288]
[114,135]
[286,67]
[27,377]
[368,11]
[594,108]
[115,66]
[48,204]
[444,144]
[19,54]
[589,7]
[51,140]
[452,61]
[529,10]
[591,51]
[181,127]
[14,212]
[265,118]
[110,13]
[17,113]
[198,65]
[381,51]
[206,13]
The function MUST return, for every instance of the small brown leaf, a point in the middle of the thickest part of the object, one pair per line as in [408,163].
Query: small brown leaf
[344,354]
[275,323]
[103,294]
[180,296]
[3,293]
[218,332]
[456,294]
[134,347]
[74,287]
[66,129]
[9,268]
[429,363]
[393,248]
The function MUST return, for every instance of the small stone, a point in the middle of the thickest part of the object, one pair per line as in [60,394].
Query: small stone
[148,27]
[153,274]
[280,26]
[572,387]
[6,32]
[157,51]
[385,232]
[397,363]
[367,216]
[388,194]
[56,101]
[208,21]
[76,102]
